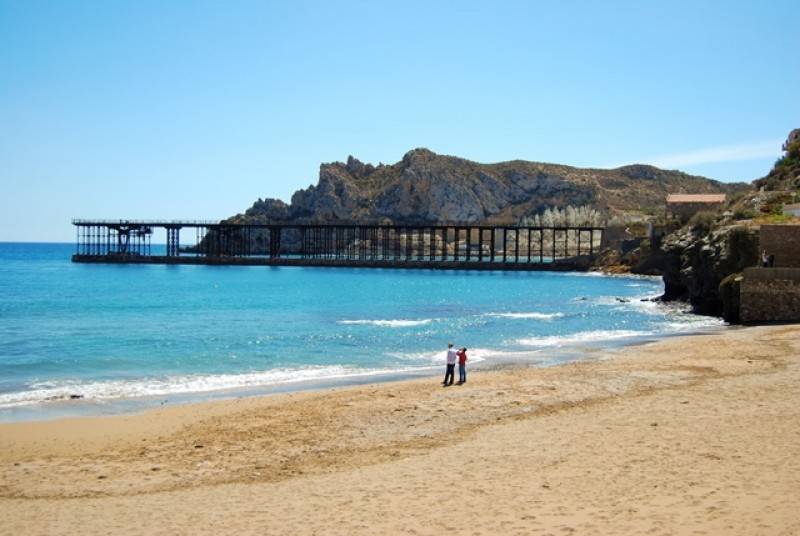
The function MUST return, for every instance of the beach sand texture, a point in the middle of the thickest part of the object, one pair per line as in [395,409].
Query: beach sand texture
[692,435]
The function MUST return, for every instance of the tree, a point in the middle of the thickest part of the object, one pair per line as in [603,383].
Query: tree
[582,216]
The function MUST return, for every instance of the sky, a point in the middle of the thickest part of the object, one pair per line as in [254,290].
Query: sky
[194,109]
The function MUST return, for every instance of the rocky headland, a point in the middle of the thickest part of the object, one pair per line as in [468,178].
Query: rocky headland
[425,187]
[701,261]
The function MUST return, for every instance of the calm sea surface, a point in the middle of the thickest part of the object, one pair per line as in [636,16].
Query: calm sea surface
[115,333]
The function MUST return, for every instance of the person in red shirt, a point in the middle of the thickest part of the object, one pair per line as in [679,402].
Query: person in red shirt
[462,366]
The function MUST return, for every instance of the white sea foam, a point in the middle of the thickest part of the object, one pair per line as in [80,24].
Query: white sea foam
[477,355]
[535,316]
[583,337]
[608,276]
[176,385]
[474,355]
[691,323]
[579,274]
[388,323]
[677,316]
[424,358]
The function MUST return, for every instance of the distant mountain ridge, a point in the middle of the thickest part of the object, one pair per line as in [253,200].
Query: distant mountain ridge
[425,187]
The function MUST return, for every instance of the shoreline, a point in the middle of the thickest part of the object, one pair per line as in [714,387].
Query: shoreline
[131,405]
[682,435]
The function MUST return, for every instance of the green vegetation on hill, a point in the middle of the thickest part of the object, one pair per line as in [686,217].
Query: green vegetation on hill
[785,175]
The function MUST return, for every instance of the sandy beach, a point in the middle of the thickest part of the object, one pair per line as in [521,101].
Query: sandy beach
[692,435]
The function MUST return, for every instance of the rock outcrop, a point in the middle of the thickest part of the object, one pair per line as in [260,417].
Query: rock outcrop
[263,210]
[694,262]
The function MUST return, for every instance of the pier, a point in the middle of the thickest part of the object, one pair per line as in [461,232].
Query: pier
[452,246]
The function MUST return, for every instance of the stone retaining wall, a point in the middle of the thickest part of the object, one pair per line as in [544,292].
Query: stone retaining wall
[783,241]
[770,295]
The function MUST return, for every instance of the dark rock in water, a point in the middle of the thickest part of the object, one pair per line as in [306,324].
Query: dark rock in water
[75,397]
[623,300]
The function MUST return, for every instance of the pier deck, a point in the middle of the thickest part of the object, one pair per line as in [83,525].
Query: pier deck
[456,246]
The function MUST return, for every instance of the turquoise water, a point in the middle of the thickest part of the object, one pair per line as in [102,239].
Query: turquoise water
[117,332]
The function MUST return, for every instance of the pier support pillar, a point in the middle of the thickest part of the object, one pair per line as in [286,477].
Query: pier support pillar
[505,245]
[173,241]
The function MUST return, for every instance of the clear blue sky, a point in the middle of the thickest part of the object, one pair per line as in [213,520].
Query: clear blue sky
[192,109]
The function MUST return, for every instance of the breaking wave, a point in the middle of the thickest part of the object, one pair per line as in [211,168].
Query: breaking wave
[535,316]
[582,338]
[388,323]
[177,385]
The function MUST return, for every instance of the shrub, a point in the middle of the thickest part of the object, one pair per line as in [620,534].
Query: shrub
[703,221]
[793,149]
[744,214]
[779,218]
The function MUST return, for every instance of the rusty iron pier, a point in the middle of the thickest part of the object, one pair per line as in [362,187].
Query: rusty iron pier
[451,246]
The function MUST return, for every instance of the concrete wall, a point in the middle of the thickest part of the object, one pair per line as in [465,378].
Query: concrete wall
[783,241]
[770,295]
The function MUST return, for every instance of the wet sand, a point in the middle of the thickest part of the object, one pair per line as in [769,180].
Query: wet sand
[693,435]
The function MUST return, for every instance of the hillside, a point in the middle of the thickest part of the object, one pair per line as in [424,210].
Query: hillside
[781,186]
[785,175]
[427,187]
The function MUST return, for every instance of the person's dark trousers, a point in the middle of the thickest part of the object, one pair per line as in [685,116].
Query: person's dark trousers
[462,374]
[449,374]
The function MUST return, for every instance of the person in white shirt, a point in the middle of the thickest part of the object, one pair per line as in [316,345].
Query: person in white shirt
[451,365]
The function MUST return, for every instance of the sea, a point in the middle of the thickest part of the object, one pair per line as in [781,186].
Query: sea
[79,339]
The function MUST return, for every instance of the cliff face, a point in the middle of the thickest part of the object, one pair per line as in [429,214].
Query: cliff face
[694,262]
[427,187]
